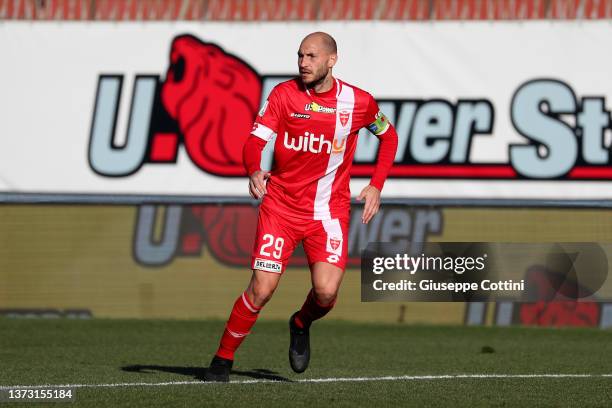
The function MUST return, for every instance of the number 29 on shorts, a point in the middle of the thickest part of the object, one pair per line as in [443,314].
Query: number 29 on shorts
[274,244]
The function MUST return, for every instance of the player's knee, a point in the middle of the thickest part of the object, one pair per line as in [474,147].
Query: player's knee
[325,297]
[262,293]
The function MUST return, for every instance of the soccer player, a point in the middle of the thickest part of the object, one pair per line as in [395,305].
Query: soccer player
[306,196]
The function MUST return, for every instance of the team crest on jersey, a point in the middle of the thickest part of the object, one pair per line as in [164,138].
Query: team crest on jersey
[315,107]
[344,117]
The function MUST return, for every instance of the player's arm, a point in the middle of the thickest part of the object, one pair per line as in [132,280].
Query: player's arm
[251,157]
[378,124]
[265,126]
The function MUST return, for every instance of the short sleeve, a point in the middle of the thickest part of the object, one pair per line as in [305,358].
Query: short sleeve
[375,121]
[268,118]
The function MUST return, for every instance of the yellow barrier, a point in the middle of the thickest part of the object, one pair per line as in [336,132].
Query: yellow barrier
[82,257]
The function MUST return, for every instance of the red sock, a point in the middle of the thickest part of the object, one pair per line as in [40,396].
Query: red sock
[243,317]
[311,310]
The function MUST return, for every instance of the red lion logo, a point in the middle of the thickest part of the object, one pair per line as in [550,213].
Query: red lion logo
[214,97]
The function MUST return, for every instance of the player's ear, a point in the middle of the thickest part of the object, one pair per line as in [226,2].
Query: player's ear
[333,58]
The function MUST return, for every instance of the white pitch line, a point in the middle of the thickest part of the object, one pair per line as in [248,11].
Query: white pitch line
[315,380]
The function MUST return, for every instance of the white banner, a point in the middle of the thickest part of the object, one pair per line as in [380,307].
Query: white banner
[482,109]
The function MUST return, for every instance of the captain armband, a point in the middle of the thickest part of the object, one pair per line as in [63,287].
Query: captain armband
[380,124]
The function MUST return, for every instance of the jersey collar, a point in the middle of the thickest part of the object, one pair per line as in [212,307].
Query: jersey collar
[335,90]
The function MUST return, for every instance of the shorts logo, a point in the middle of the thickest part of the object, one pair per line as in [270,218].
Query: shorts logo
[344,117]
[333,258]
[335,243]
[268,266]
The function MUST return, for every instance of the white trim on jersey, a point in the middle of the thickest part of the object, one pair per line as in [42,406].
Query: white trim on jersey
[345,104]
[262,132]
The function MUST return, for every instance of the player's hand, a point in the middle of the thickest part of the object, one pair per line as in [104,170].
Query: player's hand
[372,202]
[257,183]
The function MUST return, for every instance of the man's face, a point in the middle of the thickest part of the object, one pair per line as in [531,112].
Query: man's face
[314,61]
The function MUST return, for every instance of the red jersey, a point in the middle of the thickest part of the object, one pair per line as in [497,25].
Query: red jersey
[315,144]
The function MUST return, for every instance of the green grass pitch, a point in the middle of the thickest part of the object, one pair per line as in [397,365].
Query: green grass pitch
[120,352]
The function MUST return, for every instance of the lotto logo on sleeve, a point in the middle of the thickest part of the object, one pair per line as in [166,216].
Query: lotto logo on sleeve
[268,266]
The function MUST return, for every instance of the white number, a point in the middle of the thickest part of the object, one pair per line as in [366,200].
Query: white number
[278,246]
[264,246]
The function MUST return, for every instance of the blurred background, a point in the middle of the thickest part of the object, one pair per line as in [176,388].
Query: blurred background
[122,123]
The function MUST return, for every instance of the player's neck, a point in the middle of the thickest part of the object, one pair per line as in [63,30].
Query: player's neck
[324,85]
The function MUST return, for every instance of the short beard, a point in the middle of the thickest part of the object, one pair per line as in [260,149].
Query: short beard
[316,81]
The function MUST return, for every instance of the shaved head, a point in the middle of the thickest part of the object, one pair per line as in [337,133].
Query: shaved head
[324,39]
[316,58]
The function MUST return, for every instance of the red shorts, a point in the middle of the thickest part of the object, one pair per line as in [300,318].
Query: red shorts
[278,235]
